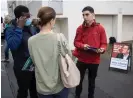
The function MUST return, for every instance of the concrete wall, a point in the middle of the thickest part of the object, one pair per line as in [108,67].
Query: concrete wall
[127,28]
[57,28]
[61,26]
[101,8]
[114,26]
[64,27]
[106,22]
[112,14]
[34,7]
[11,7]
[4,8]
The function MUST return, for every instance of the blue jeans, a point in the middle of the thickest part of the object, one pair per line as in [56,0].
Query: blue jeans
[6,51]
[61,94]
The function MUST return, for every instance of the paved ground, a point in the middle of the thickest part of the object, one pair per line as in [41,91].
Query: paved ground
[109,84]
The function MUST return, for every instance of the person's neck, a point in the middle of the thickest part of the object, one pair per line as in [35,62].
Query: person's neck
[90,23]
[45,29]
[126,54]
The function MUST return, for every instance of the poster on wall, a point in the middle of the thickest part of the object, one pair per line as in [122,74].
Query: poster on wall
[121,56]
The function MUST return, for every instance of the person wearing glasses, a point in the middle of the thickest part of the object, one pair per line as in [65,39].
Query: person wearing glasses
[17,36]
[90,41]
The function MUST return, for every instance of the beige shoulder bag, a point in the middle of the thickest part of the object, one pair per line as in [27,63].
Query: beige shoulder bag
[70,74]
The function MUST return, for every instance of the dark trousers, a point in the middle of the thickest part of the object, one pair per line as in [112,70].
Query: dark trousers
[92,70]
[6,52]
[26,81]
[62,94]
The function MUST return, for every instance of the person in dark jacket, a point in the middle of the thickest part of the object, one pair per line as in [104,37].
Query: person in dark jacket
[7,22]
[17,36]
[90,41]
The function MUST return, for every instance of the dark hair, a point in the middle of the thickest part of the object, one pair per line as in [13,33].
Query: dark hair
[19,10]
[88,8]
[46,14]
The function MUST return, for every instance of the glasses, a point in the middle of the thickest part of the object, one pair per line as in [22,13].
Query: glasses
[85,14]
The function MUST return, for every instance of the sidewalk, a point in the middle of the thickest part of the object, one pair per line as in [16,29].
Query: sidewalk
[109,84]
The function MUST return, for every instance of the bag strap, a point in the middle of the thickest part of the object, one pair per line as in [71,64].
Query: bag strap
[60,45]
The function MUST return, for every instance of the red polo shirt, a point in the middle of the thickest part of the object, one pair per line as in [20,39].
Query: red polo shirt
[94,36]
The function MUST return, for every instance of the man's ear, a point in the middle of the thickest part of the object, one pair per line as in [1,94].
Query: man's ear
[51,21]
[93,15]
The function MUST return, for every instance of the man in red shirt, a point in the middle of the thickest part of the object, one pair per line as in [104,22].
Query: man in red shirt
[90,41]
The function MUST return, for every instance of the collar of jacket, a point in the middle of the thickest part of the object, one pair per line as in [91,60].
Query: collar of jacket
[92,25]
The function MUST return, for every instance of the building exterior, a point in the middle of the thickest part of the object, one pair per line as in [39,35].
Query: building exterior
[4,11]
[115,16]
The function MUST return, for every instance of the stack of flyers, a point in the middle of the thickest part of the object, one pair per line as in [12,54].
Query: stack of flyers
[93,49]
[28,66]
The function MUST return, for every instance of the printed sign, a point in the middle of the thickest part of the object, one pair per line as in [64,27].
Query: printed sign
[121,56]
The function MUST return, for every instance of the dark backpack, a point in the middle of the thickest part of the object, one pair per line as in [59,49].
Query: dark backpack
[112,40]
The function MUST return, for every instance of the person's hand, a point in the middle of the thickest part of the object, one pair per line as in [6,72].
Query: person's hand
[21,21]
[101,50]
[86,46]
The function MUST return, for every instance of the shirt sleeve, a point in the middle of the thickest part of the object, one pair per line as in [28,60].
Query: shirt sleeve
[13,37]
[78,39]
[103,39]
[30,48]
[65,45]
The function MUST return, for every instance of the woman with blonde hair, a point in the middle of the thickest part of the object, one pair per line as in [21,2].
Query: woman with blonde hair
[7,21]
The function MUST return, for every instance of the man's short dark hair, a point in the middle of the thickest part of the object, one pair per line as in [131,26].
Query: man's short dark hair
[88,8]
[19,10]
